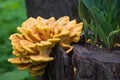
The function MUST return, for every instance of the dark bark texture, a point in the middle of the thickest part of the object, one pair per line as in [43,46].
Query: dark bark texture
[95,66]
[60,68]
[89,65]
[55,8]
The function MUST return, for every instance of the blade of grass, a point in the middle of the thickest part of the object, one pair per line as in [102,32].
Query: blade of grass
[86,28]
[111,35]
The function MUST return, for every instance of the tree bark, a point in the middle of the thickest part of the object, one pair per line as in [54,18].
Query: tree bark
[52,8]
[94,65]
[89,65]
[60,68]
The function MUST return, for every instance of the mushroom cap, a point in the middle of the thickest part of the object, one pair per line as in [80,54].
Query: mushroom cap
[37,73]
[33,45]
[15,60]
[23,66]
[41,58]
[38,67]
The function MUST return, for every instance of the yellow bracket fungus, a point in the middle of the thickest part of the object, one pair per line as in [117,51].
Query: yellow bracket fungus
[32,46]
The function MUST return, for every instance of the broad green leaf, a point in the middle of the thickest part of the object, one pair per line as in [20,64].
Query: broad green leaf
[100,19]
[98,3]
[115,11]
[103,36]
[82,10]
[89,4]
[106,5]
[109,17]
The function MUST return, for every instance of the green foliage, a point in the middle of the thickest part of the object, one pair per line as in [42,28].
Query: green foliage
[16,75]
[102,18]
[12,14]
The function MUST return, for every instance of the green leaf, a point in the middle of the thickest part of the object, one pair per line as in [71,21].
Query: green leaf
[89,4]
[103,36]
[97,3]
[82,10]
[101,20]
[86,28]
[92,28]
[109,17]
[111,35]
[105,14]
[92,38]
[106,5]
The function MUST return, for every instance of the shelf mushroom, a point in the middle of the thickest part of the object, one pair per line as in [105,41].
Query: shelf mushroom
[32,46]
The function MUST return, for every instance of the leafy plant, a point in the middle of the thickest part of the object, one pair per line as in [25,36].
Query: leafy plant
[102,18]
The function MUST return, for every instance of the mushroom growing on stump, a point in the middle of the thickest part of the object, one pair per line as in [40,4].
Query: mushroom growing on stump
[32,46]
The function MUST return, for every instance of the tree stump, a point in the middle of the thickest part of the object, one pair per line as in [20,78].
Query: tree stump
[60,68]
[89,65]
[95,66]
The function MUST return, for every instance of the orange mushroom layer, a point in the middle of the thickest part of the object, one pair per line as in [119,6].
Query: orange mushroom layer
[32,46]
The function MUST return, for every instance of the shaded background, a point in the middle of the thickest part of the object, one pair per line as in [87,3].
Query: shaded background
[12,14]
